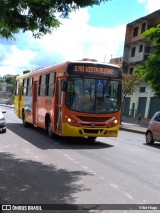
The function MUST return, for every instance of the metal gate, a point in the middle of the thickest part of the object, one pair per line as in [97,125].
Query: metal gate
[154,106]
[142,105]
[126,106]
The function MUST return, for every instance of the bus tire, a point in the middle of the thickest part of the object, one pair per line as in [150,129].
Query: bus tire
[25,123]
[4,130]
[92,139]
[49,128]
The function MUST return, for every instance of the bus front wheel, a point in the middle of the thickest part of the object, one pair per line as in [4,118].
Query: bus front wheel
[49,129]
[92,139]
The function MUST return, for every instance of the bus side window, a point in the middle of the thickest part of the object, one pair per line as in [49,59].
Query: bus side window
[52,84]
[42,85]
[24,87]
[40,77]
[17,86]
[30,86]
[27,86]
[47,84]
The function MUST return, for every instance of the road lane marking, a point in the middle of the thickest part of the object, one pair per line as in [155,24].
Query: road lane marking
[67,156]
[101,178]
[85,167]
[129,196]
[114,186]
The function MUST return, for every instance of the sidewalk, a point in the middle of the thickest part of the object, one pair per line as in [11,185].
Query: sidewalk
[131,124]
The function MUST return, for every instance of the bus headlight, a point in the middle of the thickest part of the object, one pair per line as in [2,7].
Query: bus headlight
[70,121]
[113,123]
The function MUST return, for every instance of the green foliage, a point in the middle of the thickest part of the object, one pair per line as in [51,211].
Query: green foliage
[150,72]
[11,80]
[153,34]
[37,16]
[26,71]
[130,82]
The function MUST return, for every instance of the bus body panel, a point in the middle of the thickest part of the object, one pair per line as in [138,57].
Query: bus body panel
[81,132]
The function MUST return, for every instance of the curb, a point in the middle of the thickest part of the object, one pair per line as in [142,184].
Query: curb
[132,130]
[5,105]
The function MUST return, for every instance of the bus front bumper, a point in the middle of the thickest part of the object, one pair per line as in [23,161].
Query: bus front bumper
[73,131]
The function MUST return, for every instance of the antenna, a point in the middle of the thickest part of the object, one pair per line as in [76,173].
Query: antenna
[104,58]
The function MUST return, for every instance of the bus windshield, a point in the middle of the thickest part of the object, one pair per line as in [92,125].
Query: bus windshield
[90,95]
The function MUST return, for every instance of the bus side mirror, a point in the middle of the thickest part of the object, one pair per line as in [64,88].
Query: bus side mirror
[64,86]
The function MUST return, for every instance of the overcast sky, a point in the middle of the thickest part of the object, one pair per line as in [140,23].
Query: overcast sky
[95,32]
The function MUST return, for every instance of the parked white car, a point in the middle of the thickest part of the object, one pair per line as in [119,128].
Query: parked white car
[2,121]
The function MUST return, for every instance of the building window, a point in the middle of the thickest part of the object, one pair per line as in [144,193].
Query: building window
[147,49]
[131,70]
[140,48]
[133,51]
[142,89]
[143,27]
[135,32]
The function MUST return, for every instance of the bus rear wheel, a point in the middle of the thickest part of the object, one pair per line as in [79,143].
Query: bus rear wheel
[25,123]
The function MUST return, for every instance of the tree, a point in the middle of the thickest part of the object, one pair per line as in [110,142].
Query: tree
[11,80]
[37,16]
[130,82]
[150,71]
[26,71]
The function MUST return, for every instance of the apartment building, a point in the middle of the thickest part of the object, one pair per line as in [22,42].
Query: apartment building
[136,51]
[118,61]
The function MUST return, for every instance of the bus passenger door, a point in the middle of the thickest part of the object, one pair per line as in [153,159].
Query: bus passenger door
[18,102]
[35,93]
[59,105]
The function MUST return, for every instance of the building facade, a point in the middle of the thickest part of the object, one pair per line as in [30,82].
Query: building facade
[6,89]
[136,51]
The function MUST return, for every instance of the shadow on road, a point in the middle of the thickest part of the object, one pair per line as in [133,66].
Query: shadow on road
[30,182]
[39,138]
[155,145]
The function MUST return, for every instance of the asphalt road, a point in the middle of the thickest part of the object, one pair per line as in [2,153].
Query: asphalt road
[37,169]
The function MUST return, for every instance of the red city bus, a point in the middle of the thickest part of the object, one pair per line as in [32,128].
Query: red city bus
[74,98]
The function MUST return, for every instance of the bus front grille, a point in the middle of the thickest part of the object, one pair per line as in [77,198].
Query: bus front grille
[93,131]
[93,119]
[92,125]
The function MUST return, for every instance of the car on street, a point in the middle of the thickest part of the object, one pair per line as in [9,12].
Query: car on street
[2,121]
[153,130]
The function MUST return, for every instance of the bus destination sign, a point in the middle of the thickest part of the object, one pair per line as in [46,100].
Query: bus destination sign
[101,70]
[94,69]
